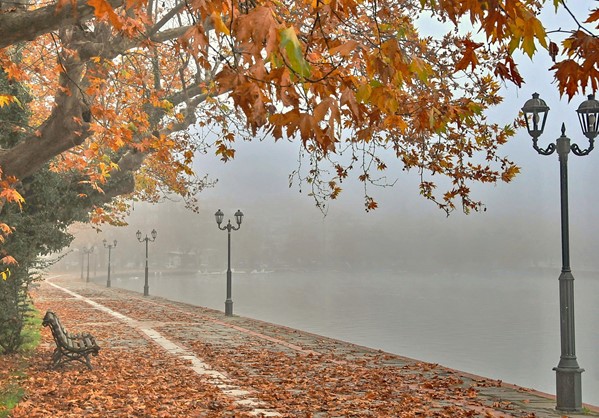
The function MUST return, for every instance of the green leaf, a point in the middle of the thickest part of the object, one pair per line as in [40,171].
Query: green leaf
[556,3]
[293,50]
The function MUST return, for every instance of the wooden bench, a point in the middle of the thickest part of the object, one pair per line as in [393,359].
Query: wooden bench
[69,346]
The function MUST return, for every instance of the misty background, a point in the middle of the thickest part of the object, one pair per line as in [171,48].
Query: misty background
[282,228]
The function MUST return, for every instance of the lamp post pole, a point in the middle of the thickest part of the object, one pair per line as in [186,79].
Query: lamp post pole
[146,239]
[568,372]
[82,261]
[229,227]
[88,251]
[110,247]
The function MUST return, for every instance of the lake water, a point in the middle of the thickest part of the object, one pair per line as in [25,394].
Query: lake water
[503,326]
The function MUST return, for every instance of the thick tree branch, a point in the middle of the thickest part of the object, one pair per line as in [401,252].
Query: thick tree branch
[165,19]
[169,34]
[64,128]
[21,26]
[121,183]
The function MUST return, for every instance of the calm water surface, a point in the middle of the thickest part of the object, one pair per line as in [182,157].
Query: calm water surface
[503,326]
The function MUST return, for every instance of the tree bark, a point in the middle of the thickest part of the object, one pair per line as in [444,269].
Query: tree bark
[64,129]
[20,26]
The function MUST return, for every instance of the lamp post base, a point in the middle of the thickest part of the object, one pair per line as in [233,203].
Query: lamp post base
[229,307]
[146,290]
[568,389]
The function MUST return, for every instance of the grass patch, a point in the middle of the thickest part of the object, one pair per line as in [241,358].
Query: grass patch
[10,392]
[31,332]
[10,395]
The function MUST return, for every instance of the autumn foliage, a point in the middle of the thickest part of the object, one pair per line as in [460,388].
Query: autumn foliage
[127,93]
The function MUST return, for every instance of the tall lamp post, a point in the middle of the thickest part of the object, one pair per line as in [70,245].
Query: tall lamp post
[568,372]
[146,239]
[88,251]
[219,220]
[110,247]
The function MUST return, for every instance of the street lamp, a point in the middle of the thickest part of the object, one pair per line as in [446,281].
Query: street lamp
[219,220]
[568,372]
[110,247]
[88,251]
[146,239]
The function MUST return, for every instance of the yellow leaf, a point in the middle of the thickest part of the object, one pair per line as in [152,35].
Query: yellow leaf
[12,195]
[291,44]
[363,93]
[509,174]
[219,25]
[6,100]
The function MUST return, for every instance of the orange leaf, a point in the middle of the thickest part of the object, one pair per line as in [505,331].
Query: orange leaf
[12,195]
[8,260]
[345,49]
[135,3]
[103,10]
[469,58]
[593,17]
[61,3]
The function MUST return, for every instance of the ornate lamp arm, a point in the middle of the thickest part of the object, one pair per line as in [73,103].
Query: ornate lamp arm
[543,151]
[581,153]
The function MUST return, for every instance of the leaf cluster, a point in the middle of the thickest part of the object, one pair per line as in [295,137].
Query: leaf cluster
[356,84]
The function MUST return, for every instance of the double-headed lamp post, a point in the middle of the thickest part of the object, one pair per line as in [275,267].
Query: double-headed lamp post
[219,220]
[568,372]
[146,239]
[110,247]
[88,251]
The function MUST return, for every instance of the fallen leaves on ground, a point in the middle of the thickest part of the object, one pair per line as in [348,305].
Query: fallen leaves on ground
[133,377]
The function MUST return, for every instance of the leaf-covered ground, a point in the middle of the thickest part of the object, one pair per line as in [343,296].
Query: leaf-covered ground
[294,374]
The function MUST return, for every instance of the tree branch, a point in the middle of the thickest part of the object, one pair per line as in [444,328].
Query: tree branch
[62,130]
[21,26]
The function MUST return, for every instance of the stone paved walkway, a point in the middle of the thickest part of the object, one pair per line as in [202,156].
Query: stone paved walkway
[271,370]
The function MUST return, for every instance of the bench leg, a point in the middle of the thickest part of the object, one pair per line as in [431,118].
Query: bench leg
[56,357]
[87,362]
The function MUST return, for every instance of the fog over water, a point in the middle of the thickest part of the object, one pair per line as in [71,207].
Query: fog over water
[476,292]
